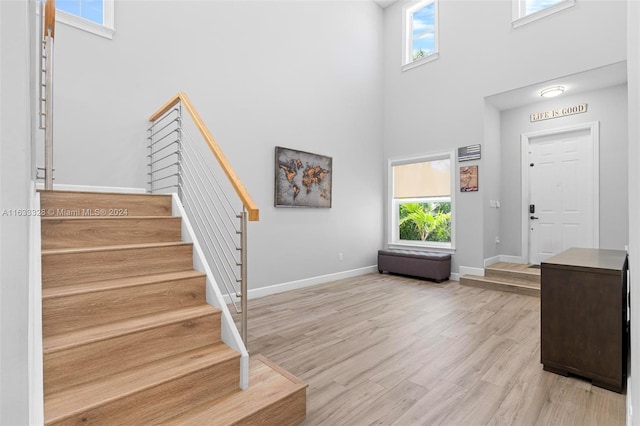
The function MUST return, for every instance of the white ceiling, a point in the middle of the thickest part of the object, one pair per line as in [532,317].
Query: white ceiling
[599,78]
[385,3]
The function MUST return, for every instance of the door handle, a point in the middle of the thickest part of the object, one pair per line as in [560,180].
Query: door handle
[533,217]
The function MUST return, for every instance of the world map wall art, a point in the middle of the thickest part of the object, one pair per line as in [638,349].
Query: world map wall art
[303,179]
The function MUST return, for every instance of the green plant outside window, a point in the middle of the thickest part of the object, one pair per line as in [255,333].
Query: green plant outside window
[425,221]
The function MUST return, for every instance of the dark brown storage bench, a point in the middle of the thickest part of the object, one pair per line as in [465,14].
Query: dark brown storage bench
[433,266]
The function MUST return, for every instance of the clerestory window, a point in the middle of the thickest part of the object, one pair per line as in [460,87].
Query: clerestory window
[526,11]
[95,16]
[420,26]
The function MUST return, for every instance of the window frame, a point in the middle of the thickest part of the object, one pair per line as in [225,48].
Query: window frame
[393,237]
[106,29]
[520,7]
[407,34]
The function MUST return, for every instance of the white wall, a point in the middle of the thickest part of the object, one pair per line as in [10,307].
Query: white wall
[441,105]
[609,107]
[633,73]
[491,181]
[15,178]
[303,75]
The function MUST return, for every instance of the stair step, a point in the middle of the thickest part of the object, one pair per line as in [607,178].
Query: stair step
[513,272]
[274,397]
[72,266]
[75,232]
[529,289]
[78,203]
[127,335]
[149,394]
[68,308]
[88,354]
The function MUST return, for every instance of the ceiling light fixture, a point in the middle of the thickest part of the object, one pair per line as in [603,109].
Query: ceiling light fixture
[551,92]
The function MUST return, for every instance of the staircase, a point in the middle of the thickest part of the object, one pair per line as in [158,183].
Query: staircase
[511,277]
[128,337]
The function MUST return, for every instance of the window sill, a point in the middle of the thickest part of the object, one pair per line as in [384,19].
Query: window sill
[527,19]
[422,247]
[420,61]
[83,24]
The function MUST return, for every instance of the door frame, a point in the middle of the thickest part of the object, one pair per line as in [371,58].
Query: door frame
[594,129]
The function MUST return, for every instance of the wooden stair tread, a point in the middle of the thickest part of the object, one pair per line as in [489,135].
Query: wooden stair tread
[493,283]
[499,280]
[73,203]
[72,401]
[268,384]
[63,192]
[51,252]
[128,337]
[514,267]
[513,272]
[80,337]
[96,286]
[97,218]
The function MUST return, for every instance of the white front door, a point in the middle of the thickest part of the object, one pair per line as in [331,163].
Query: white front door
[563,193]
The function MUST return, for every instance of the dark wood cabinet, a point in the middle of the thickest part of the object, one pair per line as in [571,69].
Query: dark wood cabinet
[584,315]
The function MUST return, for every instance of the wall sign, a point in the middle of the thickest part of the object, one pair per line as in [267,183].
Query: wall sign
[468,153]
[559,112]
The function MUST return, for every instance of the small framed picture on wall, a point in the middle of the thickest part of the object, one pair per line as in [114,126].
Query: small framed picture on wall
[468,178]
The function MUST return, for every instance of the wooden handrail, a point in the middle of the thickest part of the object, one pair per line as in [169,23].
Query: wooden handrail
[49,18]
[247,201]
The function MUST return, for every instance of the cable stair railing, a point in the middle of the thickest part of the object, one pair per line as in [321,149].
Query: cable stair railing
[45,92]
[180,161]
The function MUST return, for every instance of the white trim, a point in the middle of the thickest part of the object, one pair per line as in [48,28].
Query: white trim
[421,61]
[105,30]
[513,259]
[469,270]
[89,188]
[307,282]
[594,129]
[421,247]
[35,362]
[454,276]
[504,258]
[229,332]
[407,61]
[490,261]
[520,19]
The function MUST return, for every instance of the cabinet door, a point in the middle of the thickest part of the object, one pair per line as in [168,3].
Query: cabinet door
[581,323]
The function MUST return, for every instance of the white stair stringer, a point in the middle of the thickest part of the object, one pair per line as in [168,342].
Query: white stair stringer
[229,333]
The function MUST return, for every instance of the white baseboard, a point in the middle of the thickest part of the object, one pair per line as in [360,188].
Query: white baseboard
[468,270]
[512,259]
[490,261]
[88,188]
[307,282]
[454,276]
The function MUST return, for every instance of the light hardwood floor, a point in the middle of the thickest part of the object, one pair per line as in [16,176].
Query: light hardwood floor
[390,350]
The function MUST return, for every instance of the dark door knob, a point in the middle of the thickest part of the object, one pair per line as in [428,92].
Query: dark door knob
[533,217]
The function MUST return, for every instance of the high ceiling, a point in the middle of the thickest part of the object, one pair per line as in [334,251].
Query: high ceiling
[385,3]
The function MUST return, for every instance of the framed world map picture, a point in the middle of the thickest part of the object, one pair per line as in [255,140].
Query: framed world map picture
[303,179]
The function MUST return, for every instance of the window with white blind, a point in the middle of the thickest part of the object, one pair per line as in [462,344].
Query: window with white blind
[422,201]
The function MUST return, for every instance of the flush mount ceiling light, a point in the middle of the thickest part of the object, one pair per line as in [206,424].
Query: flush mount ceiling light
[551,92]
